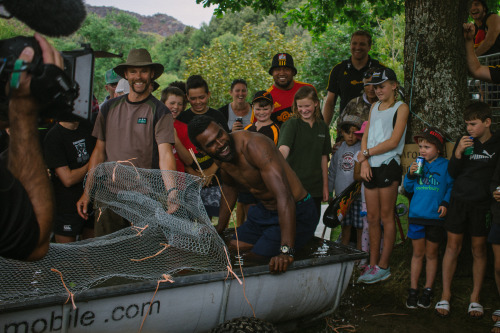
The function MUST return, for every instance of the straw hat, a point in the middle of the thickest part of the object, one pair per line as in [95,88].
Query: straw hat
[139,58]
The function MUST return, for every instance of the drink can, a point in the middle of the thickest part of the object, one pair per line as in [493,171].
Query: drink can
[469,150]
[420,166]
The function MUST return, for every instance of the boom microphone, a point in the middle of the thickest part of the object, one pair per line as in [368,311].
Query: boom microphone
[53,18]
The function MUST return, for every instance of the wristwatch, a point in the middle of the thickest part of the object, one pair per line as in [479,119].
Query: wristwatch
[289,251]
[366,153]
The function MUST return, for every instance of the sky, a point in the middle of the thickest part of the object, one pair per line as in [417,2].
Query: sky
[186,11]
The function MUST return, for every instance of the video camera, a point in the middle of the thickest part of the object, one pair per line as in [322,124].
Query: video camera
[61,93]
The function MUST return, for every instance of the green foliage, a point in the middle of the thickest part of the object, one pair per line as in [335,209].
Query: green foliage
[116,33]
[227,28]
[249,59]
[313,15]
[11,28]
[333,46]
[389,43]
[326,51]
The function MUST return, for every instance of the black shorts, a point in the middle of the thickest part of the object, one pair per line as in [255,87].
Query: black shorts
[432,233]
[494,235]
[385,175]
[71,224]
[465,216]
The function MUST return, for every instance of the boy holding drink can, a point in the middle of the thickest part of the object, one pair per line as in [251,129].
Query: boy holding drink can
[431,188]
[469,209]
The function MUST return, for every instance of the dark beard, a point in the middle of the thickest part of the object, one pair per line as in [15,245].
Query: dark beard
[232,152]
[283,86]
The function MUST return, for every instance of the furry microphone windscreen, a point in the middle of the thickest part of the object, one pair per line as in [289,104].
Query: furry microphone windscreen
[53,18]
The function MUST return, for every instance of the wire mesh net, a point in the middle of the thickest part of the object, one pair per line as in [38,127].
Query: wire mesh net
[170,231]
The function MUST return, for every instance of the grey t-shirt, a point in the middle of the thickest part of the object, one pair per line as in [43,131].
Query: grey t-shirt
[232,117]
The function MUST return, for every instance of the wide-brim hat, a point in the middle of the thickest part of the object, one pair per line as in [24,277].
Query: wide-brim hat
[382,75]
[433,135]
[139,58]
[282,60]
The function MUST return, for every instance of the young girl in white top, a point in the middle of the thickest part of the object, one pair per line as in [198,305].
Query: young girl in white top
[381,148]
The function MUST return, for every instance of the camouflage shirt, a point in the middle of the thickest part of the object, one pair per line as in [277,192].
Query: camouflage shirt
[358,106]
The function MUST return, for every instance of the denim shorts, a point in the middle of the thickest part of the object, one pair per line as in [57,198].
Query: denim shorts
[262,227]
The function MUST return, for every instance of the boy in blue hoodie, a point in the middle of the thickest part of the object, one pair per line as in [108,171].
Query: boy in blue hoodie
[431,194]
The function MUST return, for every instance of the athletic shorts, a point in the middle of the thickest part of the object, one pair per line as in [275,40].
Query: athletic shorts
[385,175]
[353,217]
[72,225]
[262,227]
[432,233]
[465,216]
[246,198]
[494,235]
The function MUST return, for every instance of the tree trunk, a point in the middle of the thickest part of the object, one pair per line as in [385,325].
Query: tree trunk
[434,44]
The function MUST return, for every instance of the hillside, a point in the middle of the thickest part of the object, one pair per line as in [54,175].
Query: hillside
[161,24]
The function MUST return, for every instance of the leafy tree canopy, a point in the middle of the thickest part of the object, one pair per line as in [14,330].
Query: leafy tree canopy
[313,15]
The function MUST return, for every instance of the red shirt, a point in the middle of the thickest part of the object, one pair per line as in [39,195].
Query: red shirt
[283,101]
[182,133]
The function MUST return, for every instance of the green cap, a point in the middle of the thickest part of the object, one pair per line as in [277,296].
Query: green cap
[111,77]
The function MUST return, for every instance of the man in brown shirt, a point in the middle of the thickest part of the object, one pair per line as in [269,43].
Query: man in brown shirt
[133,126]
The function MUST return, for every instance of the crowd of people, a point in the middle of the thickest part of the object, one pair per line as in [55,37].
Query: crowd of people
[275,162]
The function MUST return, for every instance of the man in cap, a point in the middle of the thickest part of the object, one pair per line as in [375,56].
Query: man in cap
[346,78]
[487,28]
[284,87]
[117,135]
[112,80]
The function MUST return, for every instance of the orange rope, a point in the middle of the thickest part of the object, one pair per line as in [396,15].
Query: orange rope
[166,278]
[230,268]
[99,216]
[196,161]
[127,161]
[237,249]
[133,227]
[70,294]
[166,246]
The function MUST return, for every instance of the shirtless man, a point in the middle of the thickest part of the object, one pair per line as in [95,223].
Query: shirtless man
[285,217]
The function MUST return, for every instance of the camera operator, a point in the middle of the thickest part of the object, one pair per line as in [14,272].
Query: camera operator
[26,198]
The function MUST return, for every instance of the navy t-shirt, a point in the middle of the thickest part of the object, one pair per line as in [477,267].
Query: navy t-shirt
[72,148]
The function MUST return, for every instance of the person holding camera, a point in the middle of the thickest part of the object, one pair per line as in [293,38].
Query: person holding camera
[238,113]
[26,199]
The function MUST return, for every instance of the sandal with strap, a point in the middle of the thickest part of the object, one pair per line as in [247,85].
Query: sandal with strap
[496,314]
[496,326]
[476,307]
[443,305]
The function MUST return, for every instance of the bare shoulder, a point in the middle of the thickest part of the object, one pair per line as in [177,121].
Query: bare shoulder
[493,18]
[404,108]
[257,148]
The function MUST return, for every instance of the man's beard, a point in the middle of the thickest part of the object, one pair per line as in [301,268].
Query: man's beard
[284,85]
[146,87]
[230,156]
